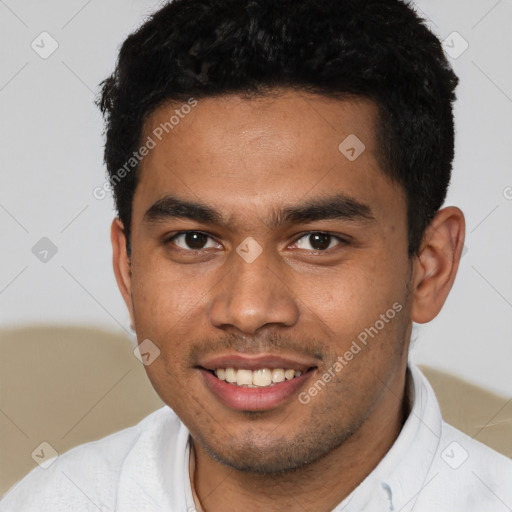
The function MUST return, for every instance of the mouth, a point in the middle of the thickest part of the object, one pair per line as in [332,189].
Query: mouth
[255,384]
[261,378]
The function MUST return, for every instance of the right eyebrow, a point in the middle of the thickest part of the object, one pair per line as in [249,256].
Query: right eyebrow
[170,207]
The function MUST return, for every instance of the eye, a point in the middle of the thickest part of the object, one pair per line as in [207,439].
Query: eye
[193,241]
[318,241]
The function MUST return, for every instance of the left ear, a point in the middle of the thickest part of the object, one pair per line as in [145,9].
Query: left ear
[436,264]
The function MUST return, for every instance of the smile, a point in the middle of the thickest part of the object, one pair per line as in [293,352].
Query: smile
[261,378]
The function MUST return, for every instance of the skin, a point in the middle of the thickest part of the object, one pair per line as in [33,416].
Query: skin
[248,159]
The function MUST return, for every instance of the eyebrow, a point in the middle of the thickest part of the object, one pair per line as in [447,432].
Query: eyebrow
[336,207]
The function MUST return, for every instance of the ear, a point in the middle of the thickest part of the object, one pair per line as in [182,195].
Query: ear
[121,263]
[436,264]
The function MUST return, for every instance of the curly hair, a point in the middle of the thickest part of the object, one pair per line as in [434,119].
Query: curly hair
[382,51]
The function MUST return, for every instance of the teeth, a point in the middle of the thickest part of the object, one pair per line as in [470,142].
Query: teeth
[261,378]
[289,374]
[278,375]
[244,377]
[230,375]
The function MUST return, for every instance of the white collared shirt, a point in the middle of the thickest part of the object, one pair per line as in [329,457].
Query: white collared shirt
[431,467]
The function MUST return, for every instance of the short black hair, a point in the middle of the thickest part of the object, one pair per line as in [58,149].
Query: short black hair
[375,49]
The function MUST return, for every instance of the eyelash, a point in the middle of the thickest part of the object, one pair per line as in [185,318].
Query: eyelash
[342,241]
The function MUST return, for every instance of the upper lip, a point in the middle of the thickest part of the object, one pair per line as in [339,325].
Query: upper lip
[256,362]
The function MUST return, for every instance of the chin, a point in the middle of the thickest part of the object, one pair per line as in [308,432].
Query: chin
[278,457]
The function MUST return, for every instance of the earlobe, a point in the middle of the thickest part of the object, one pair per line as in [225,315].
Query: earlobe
[121,264]
[436,264]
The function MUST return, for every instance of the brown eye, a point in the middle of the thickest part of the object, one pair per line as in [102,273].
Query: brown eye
[318,241]
[193,240]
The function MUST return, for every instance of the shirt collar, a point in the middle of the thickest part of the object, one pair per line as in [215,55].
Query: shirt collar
[155,472]
[399,477]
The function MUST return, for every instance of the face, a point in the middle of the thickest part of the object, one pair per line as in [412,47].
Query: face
[265,253]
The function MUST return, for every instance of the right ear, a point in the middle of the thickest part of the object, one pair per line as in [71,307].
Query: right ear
[121,263]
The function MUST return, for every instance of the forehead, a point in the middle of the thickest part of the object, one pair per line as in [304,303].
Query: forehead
[249,155]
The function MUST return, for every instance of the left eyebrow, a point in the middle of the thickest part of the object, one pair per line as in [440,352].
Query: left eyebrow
[336,207]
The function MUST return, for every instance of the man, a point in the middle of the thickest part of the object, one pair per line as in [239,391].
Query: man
[279,170]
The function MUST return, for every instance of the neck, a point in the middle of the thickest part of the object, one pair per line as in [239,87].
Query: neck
[317,486]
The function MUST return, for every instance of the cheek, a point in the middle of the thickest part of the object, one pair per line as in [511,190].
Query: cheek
[353,296]
[164,298]
[167,309]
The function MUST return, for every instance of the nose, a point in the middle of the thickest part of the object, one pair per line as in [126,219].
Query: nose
[252,296]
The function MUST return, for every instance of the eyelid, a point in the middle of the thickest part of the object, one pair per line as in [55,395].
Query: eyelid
[343,240]
[169,238]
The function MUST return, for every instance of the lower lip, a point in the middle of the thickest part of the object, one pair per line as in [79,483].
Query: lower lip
[254,399]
